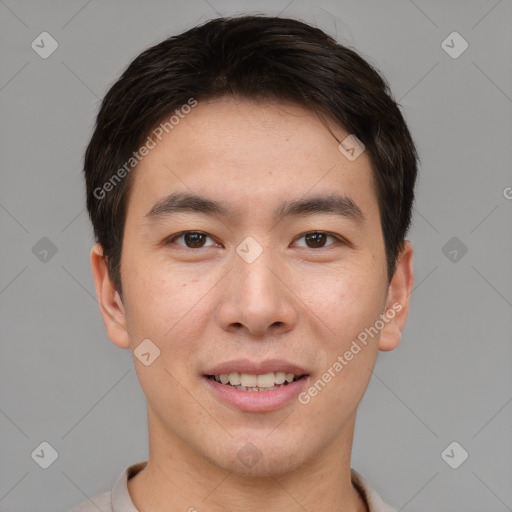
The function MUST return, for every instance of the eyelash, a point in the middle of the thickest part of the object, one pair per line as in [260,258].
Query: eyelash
[173,238]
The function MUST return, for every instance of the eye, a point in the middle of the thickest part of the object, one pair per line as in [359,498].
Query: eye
[317,239]
[192,239]
[196,239]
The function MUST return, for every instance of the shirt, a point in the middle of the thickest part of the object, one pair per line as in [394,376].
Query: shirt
[119,500]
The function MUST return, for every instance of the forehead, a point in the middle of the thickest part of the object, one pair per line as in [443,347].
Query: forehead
[247,154]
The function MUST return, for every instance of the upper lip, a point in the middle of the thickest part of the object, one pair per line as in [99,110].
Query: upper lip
[256,368]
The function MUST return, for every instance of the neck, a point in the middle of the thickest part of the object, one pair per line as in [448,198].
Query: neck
[179,478]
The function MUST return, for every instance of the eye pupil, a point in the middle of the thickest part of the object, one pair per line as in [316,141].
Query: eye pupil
[316,238]
[193,238]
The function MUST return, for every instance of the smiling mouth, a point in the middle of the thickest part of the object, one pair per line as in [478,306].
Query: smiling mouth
[250,382]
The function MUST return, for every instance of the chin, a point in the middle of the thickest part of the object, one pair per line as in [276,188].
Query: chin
[258,461]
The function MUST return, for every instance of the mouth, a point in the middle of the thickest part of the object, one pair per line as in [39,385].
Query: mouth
[263,382]
[256,387]
[248,385]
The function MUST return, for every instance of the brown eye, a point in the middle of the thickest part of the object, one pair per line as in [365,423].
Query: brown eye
[317,239]
[192,239]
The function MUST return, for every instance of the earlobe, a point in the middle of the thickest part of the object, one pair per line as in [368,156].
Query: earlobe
[397,303]
[111,305]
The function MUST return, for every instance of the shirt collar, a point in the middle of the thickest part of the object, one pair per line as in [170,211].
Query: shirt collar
[373,500]
[121,499]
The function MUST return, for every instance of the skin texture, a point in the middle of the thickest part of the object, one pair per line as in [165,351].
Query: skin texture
[203,305]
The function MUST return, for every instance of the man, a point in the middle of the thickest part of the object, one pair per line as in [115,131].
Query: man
[250,183]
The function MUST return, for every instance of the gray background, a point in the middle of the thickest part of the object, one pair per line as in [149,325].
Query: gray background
[449,380]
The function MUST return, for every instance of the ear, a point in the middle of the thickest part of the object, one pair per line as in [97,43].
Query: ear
[111,305]
[397,302]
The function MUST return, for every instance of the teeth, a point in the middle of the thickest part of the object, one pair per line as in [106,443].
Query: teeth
[254,382]
[247,380]
[280,377]
[234,379]
[266,380]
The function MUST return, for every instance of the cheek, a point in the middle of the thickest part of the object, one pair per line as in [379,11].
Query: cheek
[159,295]
[166,308]
[347,361]
[347,307]
[345,301]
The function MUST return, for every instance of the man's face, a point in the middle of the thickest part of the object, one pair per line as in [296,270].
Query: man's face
[276,293]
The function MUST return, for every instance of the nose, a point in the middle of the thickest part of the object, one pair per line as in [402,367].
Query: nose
[257,298]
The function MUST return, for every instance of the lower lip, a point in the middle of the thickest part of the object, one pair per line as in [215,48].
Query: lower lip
[257,401]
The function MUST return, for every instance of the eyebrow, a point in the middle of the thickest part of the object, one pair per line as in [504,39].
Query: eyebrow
[336,204]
